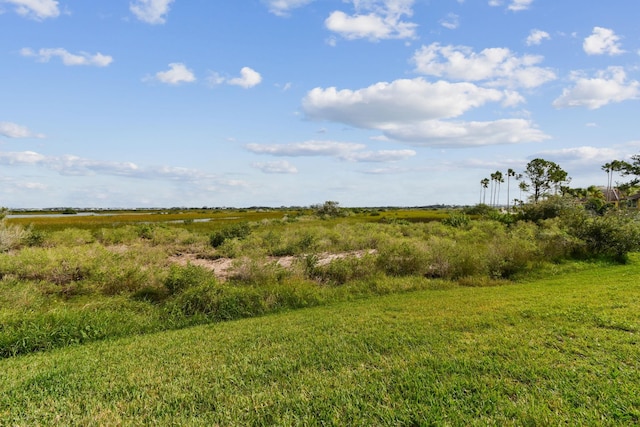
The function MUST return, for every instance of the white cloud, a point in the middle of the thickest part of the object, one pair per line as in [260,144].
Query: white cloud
[283,7]
[23,157]
[514,5]
[396,102]
[70,165]
[582,155]
[602,41]
[518,5]
[380,156]
[70,59]
[374,20]
[413,111]
[341,150]
[35,9]
[536,37]
[607,86]
[12,130]
[451,22]
[151,11]
[176,74]
[438,133]
[307,148]
[279,166]
[248,78]
[496,66]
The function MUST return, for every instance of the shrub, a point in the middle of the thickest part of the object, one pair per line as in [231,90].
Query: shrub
[220,302]
[456,219]
[238,231]
[11,236]
[402,258]
[329,209]
[612,235]
[552,207]
[479,210]
[252,271]
[343,270]
[181,278]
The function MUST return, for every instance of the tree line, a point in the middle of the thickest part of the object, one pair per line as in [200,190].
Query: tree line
[542,178]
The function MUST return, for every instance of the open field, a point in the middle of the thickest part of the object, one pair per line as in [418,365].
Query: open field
[562,350]
[354,317]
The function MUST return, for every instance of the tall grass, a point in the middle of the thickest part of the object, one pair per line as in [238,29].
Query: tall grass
[52,284]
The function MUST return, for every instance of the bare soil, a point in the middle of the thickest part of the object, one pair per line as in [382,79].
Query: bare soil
[223,267]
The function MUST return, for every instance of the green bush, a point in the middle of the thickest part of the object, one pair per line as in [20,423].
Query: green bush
[552,207]
[237,231]
[258,272]
[220,302]
[456,219]
[344,270]
[181,278]
[403,258]
[612,235]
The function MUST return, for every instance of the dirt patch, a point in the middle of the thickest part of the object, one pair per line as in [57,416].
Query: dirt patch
[223,267]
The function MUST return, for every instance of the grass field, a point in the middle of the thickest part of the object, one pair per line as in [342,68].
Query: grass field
[561,350]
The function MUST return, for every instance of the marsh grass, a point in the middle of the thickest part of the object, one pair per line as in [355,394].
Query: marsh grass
[73,277]
[558,351]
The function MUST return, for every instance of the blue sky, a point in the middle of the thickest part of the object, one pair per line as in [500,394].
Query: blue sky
[160,103]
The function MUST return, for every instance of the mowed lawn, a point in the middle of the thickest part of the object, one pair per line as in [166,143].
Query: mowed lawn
[559,350]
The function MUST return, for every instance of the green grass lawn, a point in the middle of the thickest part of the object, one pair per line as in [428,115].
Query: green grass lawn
[560,350]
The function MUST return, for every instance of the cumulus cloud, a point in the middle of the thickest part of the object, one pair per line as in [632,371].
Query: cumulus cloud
[279,167]
[496,66]
[341,150]
[70,59]
[35,9]
[399,101]
[151,11]
[438,133]
[602,41]
[536,37]
[177,73]
[284,7]
[415,110]
[374,20]
[610,85]
[248,78]
[13,130]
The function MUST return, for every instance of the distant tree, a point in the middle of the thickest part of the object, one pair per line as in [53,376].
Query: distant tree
[616,166]
[510,173]
[524,188]
[544,176]
[328,209]
[631,169]
[485,185]
[499,180]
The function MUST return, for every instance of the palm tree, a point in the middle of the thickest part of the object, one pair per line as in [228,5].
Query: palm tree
[493,189]
[607,167]
[484,183]
[510,173]
[499,180]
